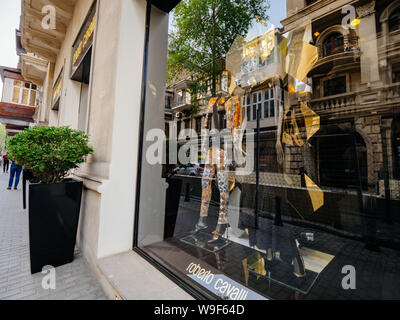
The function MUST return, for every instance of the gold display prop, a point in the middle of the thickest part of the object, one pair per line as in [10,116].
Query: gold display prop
[316,194]
[311,119]
[300,59]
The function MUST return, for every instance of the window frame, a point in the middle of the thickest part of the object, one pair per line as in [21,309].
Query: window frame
[32,89]
[331,40]
[396,27]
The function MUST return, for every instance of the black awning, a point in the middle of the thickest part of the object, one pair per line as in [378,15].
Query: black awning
[165,5]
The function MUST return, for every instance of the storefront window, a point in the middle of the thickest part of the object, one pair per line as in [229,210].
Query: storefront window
[292,190]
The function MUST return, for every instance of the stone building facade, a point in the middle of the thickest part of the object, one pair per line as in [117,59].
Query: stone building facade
[355,92]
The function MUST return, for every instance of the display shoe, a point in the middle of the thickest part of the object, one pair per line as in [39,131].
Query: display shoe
[201,224]
[196,241]
[298,266]
[218,233]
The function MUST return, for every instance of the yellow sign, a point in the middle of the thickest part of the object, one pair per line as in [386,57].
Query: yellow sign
[84,41]
[57,90]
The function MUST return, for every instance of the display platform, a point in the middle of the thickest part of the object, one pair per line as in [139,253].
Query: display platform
[281,273]
[201,239]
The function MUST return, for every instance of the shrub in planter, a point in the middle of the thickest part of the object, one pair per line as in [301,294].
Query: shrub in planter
[54,203]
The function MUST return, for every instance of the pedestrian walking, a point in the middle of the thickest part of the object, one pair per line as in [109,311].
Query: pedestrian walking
[15,174]
[6,163]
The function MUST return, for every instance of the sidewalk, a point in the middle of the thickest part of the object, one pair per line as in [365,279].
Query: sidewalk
[73,282]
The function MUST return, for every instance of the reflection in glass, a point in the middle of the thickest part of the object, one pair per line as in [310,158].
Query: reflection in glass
[313,109]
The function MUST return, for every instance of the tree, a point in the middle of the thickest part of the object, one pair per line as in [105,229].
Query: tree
[2,138]
[203,32]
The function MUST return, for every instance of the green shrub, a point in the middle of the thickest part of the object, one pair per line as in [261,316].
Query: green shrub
[51,152]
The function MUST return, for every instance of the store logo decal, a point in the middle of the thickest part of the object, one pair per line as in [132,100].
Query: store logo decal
[220,284]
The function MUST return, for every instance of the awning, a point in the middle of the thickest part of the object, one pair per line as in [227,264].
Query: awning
[165,5]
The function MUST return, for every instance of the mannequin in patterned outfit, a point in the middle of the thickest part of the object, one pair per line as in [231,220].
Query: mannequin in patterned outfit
[217,163]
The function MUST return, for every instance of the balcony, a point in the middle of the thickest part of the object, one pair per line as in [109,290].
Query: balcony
[350,53]
[11,111]
[380,100]
[337,103]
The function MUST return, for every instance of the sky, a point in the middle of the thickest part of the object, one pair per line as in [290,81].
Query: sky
[10,11]
[277,12]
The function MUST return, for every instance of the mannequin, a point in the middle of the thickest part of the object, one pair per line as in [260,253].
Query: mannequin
[217,163]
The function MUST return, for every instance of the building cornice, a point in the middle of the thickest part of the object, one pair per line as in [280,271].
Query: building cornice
[314,11]
[38,40]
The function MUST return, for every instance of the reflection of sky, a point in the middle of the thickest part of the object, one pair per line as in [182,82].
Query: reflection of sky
[10,11]
[276,13]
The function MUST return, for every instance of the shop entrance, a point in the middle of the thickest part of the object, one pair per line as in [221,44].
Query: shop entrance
[342,160]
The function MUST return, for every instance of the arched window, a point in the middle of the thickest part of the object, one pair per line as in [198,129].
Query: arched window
[394,20]
[333,44]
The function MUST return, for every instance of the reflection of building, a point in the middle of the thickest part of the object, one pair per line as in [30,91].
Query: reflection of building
[189,108]
[355,92]
[248,69]
[257,68]
[19,98]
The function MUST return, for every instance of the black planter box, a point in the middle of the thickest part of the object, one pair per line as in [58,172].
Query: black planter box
[53,223]
[172,206]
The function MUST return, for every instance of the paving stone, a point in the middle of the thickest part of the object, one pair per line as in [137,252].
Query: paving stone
[73,281]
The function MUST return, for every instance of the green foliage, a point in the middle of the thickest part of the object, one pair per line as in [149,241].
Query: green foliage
[49,151]
[203,32]
[3,134]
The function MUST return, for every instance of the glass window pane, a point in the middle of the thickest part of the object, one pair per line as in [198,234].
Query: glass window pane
[16,92]
[266,109]
[254,97]
[32,98]
[25,95]
[318,188]
[272,108]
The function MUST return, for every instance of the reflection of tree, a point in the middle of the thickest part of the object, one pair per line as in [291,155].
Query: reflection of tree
[204,31]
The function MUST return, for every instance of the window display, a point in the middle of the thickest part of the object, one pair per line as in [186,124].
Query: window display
[295,194]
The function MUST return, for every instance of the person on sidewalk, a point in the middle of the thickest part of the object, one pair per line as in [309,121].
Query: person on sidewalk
[15,172]
[6,163]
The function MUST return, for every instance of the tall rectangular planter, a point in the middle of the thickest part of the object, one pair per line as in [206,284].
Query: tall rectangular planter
[172,206]
[53,223]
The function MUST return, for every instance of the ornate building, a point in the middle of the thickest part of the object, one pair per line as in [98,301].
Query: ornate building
[355,93]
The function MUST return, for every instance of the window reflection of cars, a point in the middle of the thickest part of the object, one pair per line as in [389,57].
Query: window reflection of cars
[191,169]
